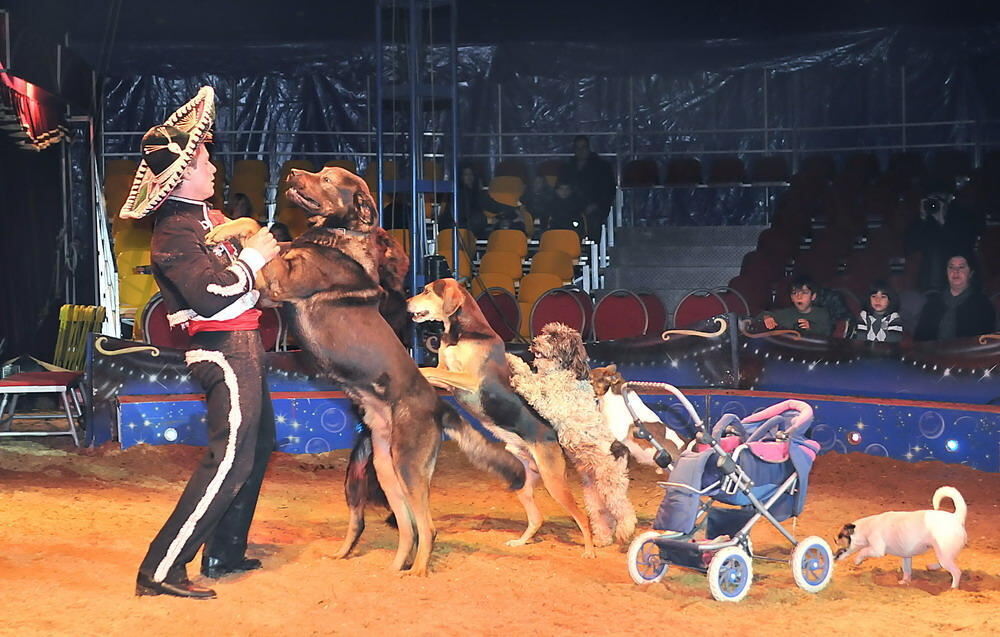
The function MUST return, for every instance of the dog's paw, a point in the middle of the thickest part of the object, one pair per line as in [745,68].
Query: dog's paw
[517,542]
[589,553]
[236,228]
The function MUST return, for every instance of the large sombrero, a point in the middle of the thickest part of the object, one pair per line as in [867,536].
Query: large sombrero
[167,150]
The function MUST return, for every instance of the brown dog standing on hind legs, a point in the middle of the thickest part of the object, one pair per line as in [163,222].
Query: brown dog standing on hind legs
[329,280]
[472,363]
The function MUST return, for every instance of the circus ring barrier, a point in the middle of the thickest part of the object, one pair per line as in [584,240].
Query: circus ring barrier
[923,401]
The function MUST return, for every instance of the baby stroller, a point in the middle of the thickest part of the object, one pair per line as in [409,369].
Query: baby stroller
[759,465]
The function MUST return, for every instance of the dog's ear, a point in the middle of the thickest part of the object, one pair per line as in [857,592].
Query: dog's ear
[612,368]
[364,208]
[450,292]
[846,532]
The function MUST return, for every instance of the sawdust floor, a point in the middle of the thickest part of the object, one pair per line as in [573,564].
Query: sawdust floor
[74,525]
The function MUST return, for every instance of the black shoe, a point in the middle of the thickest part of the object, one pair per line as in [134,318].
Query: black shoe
[144,585]
[214,568]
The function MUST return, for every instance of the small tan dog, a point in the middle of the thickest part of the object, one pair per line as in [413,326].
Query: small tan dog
[909,533]
[608,385]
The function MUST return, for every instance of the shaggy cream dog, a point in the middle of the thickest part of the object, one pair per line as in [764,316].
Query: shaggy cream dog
[561,392]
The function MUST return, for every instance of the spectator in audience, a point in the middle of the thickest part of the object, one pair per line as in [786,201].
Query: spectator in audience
[538,199]
[471,204]
[832,300]
[879,321]
[943,229]
[593,179]
[803,316]
[566,211]
[240,206]
[959,311]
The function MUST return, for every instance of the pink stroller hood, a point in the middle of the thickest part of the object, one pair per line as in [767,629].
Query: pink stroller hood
[797,425]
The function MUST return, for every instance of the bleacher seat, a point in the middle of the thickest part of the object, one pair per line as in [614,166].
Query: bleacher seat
[507,263]
[554,262]
[501,311]
[734,301]
[485,280]
[656,311]
[567,241]
[556,305]
[550,170]
[508,241]
[513,167]
[506,189]
[683,171]
[697,306]
[640,173]
[402,235]
[755,291]
[620,314]
[769,169]
[726,169]
[820,166]
[535,284]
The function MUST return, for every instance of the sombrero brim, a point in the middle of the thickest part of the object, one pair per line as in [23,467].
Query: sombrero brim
[149,189]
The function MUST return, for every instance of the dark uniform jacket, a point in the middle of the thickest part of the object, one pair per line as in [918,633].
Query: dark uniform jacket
[200,282]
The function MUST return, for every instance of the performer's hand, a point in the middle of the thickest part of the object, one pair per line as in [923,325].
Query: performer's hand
[769,322]
[264,243]
[803,324]
[237,228]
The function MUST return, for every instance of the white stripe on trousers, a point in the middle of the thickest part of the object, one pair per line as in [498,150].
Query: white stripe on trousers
[187,529]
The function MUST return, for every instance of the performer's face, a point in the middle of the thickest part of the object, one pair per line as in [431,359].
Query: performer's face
[199,177]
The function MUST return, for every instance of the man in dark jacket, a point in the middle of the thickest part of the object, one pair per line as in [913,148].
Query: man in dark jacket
[209,291]
[593,180]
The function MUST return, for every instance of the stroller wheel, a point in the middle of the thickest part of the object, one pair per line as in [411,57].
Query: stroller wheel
[812,564]
[645,565]
[730,574]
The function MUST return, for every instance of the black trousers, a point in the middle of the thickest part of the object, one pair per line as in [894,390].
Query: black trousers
[219,500]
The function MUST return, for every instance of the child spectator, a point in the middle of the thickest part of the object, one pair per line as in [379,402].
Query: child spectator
[566,212]
[803,316]
[879,321]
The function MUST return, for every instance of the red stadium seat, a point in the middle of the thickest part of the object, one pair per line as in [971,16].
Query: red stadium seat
[726,170]
[733,300]
[755,290]
[557,306]
[501,311]
[640,173]
[656,312]
[683,171]
[697,306]
[620,314]
[587,304]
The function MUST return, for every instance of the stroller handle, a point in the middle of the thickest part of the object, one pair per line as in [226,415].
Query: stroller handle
[634,385]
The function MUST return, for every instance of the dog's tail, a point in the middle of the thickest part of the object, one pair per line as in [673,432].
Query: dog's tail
[482,453]
[956,498]
[361,485]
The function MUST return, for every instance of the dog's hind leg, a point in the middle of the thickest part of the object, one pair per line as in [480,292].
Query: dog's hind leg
[416,456]
[360,487]
[947,561]
[526,495]
[551,463]
[395,493]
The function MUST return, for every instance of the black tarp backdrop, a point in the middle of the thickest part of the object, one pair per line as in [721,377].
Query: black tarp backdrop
[841,79]
[32,218]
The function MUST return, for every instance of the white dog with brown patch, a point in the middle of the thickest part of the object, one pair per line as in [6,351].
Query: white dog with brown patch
[909,533]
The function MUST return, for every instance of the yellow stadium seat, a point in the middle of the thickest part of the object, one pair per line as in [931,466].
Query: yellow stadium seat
[346,164]
[388,174]
[402,235]
[466,241]
[535,284]
[506,190]
[524,329]
[509,241]
[504,262]
[567,241]
[113,167]
[134,289]
[433,170]
[486,280]
[553,262]
[464,264]
[293,217]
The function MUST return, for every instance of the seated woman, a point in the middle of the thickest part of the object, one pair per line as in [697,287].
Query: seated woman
[880,321]
[959,311]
